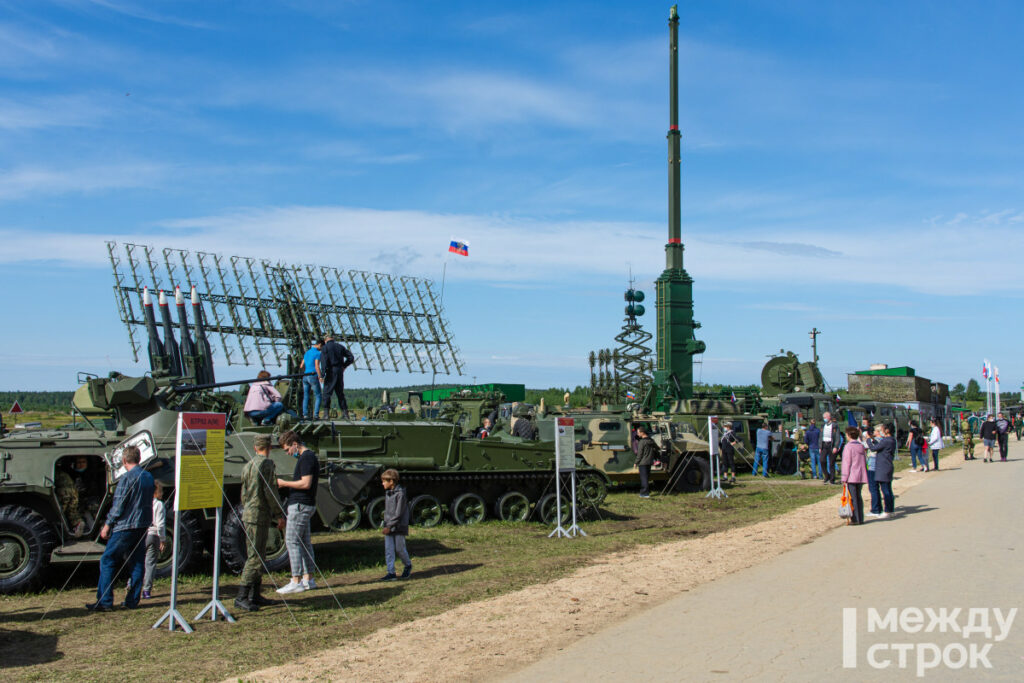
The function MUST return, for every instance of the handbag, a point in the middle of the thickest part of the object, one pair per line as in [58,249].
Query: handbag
[845,504]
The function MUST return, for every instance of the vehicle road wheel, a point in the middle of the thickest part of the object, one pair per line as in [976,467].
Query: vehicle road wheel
[547,508]
[696,476]
[234,548]
[190,545]
[375,512]
[26,542]
[469,508]
[591,490]
[512,506]
[425,511]
[349,519]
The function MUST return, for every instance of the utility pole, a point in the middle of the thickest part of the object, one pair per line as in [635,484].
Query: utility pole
[814,343]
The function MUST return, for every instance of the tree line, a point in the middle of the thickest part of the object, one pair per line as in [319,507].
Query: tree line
[50,401]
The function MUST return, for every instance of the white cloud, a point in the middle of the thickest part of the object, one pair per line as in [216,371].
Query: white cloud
[49,112]
[507,250]
[29,180]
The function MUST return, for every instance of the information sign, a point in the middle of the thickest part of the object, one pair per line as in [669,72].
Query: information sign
[199,476]
[565,444]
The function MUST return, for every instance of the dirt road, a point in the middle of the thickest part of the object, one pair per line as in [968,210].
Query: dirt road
[496,637]
[958,543]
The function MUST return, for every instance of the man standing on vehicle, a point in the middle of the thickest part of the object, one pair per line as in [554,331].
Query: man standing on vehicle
[259,506]
[334,359]
[129,518]
[831,445]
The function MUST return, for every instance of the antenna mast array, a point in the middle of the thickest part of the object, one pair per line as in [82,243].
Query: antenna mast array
[266,313]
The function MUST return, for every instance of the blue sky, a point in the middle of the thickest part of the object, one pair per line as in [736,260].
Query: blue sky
[851,166]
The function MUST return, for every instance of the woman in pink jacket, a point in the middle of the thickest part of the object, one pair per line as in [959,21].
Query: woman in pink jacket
[855,472]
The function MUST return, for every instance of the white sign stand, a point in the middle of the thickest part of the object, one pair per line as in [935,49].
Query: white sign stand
[172,616]
[215,606]
[716,461]
[565,461]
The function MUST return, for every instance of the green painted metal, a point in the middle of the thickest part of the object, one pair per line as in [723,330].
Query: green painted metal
[676,342]
[902,371]
[512,392]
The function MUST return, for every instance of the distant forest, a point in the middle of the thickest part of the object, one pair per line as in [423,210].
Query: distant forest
[50,401]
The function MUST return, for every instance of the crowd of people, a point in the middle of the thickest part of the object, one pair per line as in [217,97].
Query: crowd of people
[323,377]
[136,532]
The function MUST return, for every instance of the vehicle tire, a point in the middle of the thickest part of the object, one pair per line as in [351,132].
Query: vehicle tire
[234,549]
[696,476]
[425,511]
[190,545]
[468,508]
[591,490]
[375,512]
[547,509]
[26,542]
[512,506]
[349,519]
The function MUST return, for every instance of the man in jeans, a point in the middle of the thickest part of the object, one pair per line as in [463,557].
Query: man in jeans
[301,506]
[762,447]
[129,518]
[831,446]
[314,374]
[812,437]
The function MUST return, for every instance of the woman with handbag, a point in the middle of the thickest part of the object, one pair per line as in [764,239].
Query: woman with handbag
[854,472]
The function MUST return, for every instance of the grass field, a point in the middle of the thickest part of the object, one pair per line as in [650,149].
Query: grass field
[49,636]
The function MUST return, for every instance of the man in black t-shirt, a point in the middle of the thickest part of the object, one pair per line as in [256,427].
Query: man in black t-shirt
[301,506]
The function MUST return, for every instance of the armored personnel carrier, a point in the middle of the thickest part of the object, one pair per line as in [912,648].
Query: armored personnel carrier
[445,468]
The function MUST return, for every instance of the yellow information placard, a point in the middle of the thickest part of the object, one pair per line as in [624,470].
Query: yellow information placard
[199,472]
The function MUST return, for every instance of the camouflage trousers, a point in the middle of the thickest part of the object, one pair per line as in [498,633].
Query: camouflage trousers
[968,448]
[804,468]
[68,497]
[256,546]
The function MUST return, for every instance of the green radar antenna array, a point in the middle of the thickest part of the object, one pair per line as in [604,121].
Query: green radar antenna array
[265,313]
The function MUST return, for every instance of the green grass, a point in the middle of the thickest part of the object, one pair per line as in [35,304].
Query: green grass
[49,636]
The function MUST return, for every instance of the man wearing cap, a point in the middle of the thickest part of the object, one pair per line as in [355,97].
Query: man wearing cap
[334,358]
[312,376]
[259,506]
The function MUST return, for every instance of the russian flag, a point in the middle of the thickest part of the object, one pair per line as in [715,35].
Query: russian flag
[733,396]
[984,370]
[460,247]
[630,395]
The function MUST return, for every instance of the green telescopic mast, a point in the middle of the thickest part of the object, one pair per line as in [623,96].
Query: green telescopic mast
[676,342]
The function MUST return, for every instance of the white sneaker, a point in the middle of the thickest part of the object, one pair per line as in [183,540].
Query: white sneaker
[291,587]
[874,514]
[884,515]
[309,585]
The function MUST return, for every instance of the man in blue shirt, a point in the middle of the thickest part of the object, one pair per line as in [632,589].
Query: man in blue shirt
[311,380]
[129,518]
[812,437]
[762,448]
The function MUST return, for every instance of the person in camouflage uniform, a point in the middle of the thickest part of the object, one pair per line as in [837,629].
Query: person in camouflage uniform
[1018,425]
[69,490]
[968,436]
[259,506]
[803,453]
